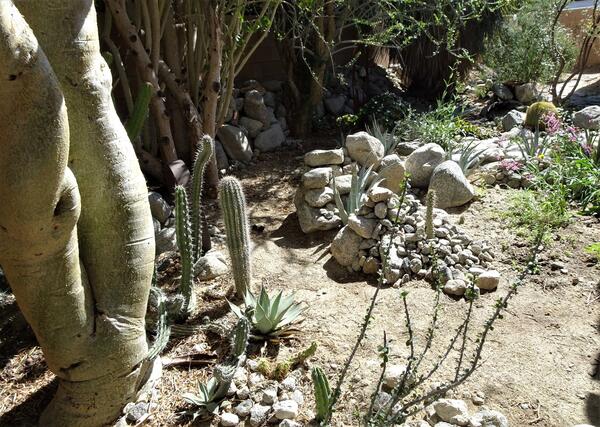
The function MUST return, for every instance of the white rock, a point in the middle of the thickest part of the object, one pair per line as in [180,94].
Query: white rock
[286,410]
[270,139]
[229,420]
[488,419]
[345,246]
[588,118]
[318,197]
[210,266]
[289,383]
[513,119]
[255,379]
[258,415]
[393,375]
[269,396]
[450,185]
[289,423]
[298,397]
[362,226]
[235,143]
[364,148]
[380,194]
[317,158]
[421,163]
[311,219]
[343,184]
[392,172]
[488,280]
[244,407]
[316,178]
[448,409]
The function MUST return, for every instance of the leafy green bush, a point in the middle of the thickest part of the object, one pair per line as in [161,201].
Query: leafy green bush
[521,50]
[387,108]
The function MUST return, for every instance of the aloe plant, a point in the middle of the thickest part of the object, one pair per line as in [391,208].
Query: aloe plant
[269,317]
[534,147]
[358,191]
[322,395]
[388,139]
[469,156]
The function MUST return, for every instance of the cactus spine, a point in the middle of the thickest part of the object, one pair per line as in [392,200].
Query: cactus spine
[203,155]
[184,241]
[322,393]
[233,205]
[240,337]
[429,231]
[140,111]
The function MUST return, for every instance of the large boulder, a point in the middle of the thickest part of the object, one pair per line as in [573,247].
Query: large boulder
[255,108]
[270,139]
[451,186]
[421,163]
[392,172]
[252,126]
[588,118]
[311,219]
[528,93]
[364,148]
[345,246]
[316,158]
[235,143]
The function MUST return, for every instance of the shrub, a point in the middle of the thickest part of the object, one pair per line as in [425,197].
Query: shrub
[521,50]
[387,108]
[537,112]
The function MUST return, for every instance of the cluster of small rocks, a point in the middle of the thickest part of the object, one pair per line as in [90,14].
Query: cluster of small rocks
[255,400]
[255,123]
[497,173]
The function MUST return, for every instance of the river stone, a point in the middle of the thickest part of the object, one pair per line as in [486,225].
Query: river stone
[364,148]
[252,126]
[270,139]
[362,226]
[229,420]
[380,194]
[286,409]
[316,158]
[310,219]
[343,184]
[316,178]
[421,163]
[210,266]
[318,197]
[450,185]
[235,143]
[455,287]
[588,118]
[488,280]
[345,246]
[392,172]
[255,108]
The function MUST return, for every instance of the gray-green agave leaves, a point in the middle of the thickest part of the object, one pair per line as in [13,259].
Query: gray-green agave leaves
[270,317]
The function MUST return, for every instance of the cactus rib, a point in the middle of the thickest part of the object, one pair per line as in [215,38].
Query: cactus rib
[203,154]
[182,229]
[322,393]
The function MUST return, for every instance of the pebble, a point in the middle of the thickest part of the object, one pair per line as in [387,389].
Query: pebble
[258,415]
[289,383]
[488,280]
[451,410]
[244,407]
[269,396]
[286,410]
[393,375]
[229,420]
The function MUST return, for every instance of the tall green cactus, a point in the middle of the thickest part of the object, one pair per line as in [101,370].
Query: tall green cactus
[184,241]
[233,205]
[136,121]
[322,394]
[203,154]
[430,204]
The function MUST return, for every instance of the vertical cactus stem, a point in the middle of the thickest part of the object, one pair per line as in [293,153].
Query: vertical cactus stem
[429,230]
[322,393]
[233,205]
[182,229]
[135,123]
[203,155]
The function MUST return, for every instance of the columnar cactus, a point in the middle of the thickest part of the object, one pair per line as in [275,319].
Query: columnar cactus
[135,123]
[322,393]
[429,231]
[203,155]
[184,241]
[233,205]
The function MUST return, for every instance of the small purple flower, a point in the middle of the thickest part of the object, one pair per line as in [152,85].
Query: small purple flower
[510,165]
[572,134]
[552,123]
[587,149]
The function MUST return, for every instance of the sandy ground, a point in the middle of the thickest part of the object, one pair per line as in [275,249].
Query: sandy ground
[539,364]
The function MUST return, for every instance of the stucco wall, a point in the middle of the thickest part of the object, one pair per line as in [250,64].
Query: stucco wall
[575,20]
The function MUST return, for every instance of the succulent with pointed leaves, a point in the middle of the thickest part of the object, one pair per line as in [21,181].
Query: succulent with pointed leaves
[322,394]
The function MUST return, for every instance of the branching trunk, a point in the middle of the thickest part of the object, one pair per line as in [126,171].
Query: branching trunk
[76,235]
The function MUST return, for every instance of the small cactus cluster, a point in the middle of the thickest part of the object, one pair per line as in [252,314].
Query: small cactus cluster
[323,394]
[233,206]
[536,113]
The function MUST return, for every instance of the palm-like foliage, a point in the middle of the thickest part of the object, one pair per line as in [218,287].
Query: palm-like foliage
[270,317]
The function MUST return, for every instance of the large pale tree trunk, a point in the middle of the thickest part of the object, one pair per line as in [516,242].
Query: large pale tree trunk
[76,235]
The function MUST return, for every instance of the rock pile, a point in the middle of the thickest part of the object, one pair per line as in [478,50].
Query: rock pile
[380,224]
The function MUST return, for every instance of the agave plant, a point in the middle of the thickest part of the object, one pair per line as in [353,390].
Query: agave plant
[388,139]
[270,317]
[469,156]
[534,147]
[358,191]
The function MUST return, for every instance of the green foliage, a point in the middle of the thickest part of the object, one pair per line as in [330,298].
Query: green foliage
[203,154]
[531,210]
[184,242]
[533,147]
[269,317]
[322,394]
[233,205]
[358,193]
[521,51]
[387,108]
[594,249]
[469,156]
[135,123]
[212,393]
[536,113]
[280,369]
